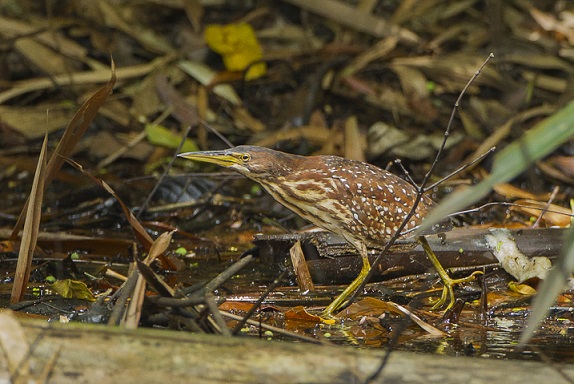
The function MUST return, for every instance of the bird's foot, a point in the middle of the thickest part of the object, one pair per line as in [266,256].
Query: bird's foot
[447,289]
[448,282]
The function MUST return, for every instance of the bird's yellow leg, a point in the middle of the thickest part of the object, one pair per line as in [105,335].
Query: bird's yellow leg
[340,300]
[448,282]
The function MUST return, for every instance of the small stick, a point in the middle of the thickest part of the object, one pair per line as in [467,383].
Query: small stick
[300,267]
[224,276]
[164,174]
[257,304]
[420,190]
[418,198]
[274,329]
[505,204]
[216,314]
[461,169]
[550,200]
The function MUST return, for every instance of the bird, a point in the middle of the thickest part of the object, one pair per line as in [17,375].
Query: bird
[362,203]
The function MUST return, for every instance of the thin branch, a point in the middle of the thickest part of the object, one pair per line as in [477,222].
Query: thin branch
[550,200]
[420,190]
[164,174]
[461,169]
[451,120]
[216,133]
[257,304]
[506,204]
[420,193]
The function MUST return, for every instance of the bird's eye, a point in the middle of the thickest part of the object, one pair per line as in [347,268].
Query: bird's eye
[245,157]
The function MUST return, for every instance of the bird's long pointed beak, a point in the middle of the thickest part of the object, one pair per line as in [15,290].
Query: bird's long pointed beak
[221,158]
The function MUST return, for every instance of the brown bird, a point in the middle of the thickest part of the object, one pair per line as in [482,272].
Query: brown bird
[362,203]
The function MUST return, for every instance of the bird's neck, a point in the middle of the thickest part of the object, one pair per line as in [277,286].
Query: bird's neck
[285,165]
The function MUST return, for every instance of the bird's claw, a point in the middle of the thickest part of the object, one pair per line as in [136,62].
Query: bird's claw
[447,289]
[449,283]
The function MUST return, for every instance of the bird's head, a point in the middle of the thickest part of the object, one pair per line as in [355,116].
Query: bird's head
[251,161]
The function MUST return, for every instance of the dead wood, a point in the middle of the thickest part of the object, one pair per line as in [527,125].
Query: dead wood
[331,260]
[82,353]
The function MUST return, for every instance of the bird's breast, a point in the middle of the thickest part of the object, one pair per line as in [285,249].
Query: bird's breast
[368,204]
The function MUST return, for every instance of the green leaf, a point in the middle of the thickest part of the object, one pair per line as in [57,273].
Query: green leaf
[72,289]
[163,137]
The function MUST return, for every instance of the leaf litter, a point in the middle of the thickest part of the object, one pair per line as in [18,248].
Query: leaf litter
[337,78]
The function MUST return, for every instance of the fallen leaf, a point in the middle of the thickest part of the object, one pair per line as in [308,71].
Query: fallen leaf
[161,136]
[72,289]
[238,46]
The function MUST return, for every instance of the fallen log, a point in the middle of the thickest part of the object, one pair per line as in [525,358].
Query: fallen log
[36,351]
[331,260]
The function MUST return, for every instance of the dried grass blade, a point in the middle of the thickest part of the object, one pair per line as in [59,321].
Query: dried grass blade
[31,228]
[133,312]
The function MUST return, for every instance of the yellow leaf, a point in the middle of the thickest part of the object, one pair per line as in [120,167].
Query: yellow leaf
[238,46]
[72,289]
[523,289]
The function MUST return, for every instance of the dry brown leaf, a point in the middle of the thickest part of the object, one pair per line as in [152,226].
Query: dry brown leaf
[12,28]
[74,132]
[183,111]
[555,215]
[42,57]
[376,52]
[145,36]
[97,76]
[235,306]
[512,192]
[357,19]
[300,314]
[369,306]
[159,246]
[244,120]
[34,122]
[564,164]
[315,135]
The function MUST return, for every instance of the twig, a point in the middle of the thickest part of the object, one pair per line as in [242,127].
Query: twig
[164,174]
[216,133]
[125,293]
[224,276]
[405,171]
[274,329]
[256,305]
[461,169]
[216,314]
[420,193]
[550,200]
[450,121]
[506,204]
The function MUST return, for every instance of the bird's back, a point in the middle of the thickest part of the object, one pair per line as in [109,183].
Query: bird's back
[354,199]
